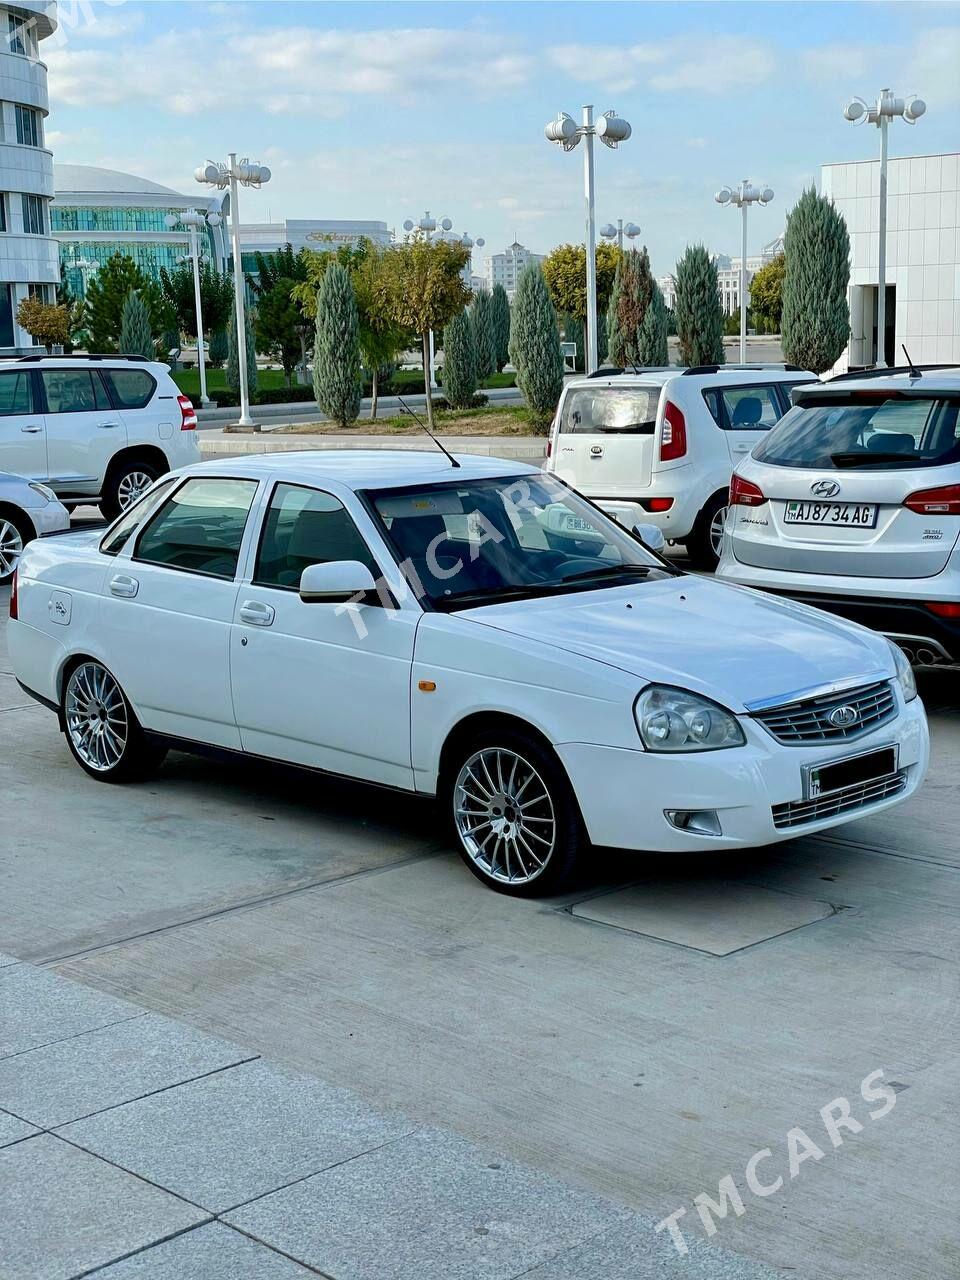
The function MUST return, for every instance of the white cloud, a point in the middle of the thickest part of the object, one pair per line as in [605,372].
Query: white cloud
[933,67]
[929,66]
[708,65]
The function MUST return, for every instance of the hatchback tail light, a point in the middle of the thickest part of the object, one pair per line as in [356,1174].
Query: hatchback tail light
[14,611]
[744,493]
[188,414]
[673,436]
[944,501]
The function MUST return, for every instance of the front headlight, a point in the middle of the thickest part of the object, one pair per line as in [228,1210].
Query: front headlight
[47,494]
[674,720]
[908,681]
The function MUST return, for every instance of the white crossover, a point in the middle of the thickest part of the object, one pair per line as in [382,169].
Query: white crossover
[467,628]
[27,510]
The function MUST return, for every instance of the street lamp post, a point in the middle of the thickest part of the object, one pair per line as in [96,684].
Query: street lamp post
[859,112]
[566,133]
[611,232]
[234,173]
[442,229]
[743,196]
[193,220]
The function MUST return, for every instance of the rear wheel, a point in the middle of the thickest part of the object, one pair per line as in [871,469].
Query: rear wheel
[124,485]
[706,542]
[15,533]
[102,731]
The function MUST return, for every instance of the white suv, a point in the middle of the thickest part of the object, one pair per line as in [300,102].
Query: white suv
[659,445]
[853,504]
[93,428]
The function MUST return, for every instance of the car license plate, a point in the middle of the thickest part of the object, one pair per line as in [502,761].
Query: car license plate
[575,524]
[823,779]
[854,515]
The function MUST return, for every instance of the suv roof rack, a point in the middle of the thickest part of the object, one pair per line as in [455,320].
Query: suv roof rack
[889,373]
[613,370]
[46,355]
[717,368]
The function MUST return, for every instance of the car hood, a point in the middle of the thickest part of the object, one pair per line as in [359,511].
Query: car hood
[729,643]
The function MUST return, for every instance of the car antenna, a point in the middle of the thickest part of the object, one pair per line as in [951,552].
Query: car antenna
[914,371]
[438,443]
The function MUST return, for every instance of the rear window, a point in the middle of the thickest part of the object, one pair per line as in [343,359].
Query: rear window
[865,433]
[132,388]
[602,410]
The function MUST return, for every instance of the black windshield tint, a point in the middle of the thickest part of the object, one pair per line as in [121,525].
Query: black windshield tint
[601,410]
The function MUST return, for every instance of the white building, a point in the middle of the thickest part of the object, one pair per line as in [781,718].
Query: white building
[504,268]
[923,256]
[728,273]
[309,233]
[29,262]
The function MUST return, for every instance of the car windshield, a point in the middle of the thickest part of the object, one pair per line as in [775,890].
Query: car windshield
[601,410]
[866,431]
[474,542]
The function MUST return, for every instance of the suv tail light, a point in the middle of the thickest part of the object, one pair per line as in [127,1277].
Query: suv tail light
[944,608]
[935,502]
[14,612]
[188,414]
[673,435]
[744,493]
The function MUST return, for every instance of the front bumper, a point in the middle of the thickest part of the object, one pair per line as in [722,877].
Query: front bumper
[53,517]
[623,794]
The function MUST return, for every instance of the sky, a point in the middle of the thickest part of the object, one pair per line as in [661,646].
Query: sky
[373,110]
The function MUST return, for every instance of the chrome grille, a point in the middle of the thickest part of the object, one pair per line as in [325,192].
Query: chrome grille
[809,719]
[796,812]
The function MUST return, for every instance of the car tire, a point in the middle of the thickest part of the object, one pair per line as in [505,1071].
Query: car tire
[15,532]
[124,484]
[703,545]
[528,851]
[103,733]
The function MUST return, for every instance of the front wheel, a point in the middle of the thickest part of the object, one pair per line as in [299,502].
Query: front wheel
[706,542]
[102,731]
[515,816]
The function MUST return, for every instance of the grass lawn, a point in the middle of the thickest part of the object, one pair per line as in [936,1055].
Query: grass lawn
[492,420]
[404,380]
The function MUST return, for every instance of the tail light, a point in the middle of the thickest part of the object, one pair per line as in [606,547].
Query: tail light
[744,493]
[935,502]
[188,414]
[944,608]
[549,446]
[673,436]
[656,504]
[14,612]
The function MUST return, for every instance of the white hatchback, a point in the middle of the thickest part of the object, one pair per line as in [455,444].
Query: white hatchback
[474,631]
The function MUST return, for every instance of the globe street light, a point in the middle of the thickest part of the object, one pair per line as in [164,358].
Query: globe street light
[611,232]
[743,196]
[442,229]
[566,133]
[234,173]
[859,112]
[193,220]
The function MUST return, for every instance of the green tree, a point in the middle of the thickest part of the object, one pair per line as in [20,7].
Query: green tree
[233,352]
[652,335]
[815,324]
[108,291]
[136,336]
[766,293]
[47,322]
[500,306]
[279,327]
[216,297]
[460,361]
[629,300]
[535,344]
[337,369]
[484,339]
[698,310]
[219,347]
[76,317]
[565,271]
[421,288]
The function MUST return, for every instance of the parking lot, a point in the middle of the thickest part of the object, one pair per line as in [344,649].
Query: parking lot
[641,1038]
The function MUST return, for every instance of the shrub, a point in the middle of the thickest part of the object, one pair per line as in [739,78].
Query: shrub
[460,360]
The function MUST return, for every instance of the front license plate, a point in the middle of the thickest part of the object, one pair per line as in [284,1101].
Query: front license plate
[823,779]
[575,524]
[855,515]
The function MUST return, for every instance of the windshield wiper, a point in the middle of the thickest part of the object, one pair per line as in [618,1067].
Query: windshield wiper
[852,458]
[608,571]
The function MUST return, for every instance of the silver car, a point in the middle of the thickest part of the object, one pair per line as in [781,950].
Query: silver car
[28,510]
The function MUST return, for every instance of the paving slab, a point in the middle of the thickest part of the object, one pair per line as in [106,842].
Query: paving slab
[211,1252]
[697,916]
[11,695]
[66,1212]
[224,1139]
[12,1129]
[38,1008]
[7,960]
[431,1206]
[104,1068]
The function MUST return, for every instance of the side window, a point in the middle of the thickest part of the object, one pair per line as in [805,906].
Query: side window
[200,527]
[304,527]
[751,408]
[73,391]
[712,399]
[16,393]
[134,516]
[132,388]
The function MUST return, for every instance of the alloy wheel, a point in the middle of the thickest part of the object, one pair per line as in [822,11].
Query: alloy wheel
[504,816]
[96,717]
[11,544]
[716,531]
[131,486]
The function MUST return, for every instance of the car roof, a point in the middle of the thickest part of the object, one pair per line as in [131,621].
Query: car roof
[363,468]
[723,375]
[944,378]
[85,361]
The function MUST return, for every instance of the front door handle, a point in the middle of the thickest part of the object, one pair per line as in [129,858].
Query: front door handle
[31,431]
[256,614]
[108,426]
[125,586]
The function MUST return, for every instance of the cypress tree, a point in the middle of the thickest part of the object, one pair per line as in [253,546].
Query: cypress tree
[698,311]
[460,361]
[815,324]
[500,306]
[629,300]
[652,335]
[337,366]
[136,335]
[535,343]
[233,354]
[615,342]
[218,348]
[484,337]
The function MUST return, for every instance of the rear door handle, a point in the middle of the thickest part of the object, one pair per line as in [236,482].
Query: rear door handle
[31,431]
[125,586]
[108,426]
[256,614]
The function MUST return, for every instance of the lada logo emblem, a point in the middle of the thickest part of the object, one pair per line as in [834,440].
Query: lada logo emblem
[843,717]
[825,488]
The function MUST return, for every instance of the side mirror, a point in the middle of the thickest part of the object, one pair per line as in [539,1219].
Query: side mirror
[335,582]
[650,536]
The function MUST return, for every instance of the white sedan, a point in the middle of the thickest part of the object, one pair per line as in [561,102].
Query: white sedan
[471,629]
[28,510]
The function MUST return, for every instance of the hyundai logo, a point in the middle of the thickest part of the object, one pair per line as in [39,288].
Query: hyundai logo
[843,717]
[825,488]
